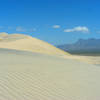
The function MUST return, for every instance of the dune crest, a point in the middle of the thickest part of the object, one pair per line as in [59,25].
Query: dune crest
[28,43]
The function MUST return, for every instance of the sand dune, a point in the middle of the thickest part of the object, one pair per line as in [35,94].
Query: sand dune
[28,43]
[34,76]
[28,73]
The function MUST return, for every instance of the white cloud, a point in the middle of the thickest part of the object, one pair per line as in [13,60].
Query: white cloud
[98,32]
[20,29]
[10,28]
[78,29]
[33,30]
[1,27]
[56,26]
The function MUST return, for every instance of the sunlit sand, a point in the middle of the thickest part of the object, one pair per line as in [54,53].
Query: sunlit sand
[31,69]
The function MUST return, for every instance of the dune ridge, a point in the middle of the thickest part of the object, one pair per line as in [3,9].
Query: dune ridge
[23,42]
[28,43]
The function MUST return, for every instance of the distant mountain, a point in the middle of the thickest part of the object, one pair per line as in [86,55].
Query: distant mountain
[83,46]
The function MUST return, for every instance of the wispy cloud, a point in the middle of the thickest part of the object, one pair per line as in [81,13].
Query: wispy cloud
[10,28]
[1,27]
[33,30]
[78,29]
[98,32]
[56,26]
[20,29]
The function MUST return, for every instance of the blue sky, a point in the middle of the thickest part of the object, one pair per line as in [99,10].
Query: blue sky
[55,21]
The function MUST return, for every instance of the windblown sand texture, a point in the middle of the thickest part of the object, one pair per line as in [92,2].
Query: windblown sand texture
[33,76]
[28,73]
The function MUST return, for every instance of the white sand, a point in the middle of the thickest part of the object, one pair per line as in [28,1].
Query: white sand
[33,76]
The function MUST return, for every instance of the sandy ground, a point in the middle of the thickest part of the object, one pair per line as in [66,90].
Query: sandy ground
[40,71]
[93,59]
[33,76]
[88,59]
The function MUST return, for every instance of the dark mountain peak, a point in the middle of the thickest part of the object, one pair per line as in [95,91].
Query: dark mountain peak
[82,45]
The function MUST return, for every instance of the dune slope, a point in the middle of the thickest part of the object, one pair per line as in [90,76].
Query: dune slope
[33,76]
[28,43]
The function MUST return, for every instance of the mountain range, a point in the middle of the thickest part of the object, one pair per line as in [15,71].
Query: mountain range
[83,46]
